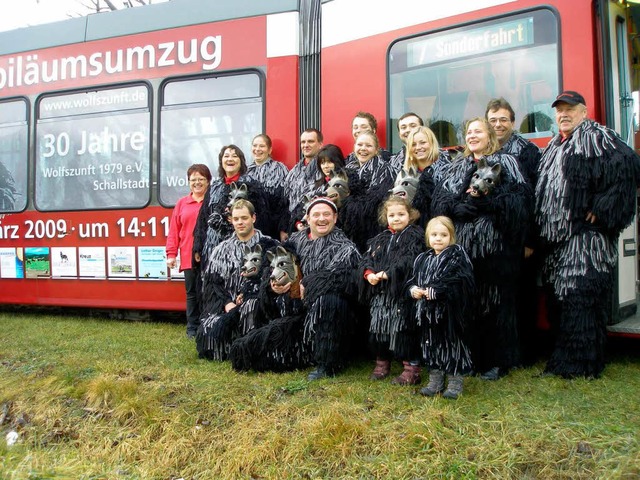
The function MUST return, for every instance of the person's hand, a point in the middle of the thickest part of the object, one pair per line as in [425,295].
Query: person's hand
[465,211]
[196,257]
[171,262]
[284,236]
[591,218]
[302,224]
[481,203]
[239,299]
[416,293]
[280,289]
[528,252]
[301,290]
[229,306]
[382,275]
[373,278]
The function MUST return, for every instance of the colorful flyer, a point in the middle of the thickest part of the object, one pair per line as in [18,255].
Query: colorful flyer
[152,263]
[91,262]
[121,262]
[64,262]
[11,263]
[37,262]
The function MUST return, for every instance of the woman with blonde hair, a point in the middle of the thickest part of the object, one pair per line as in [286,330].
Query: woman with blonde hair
[491,227]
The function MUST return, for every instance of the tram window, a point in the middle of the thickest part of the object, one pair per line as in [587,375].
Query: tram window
[93,150]
[449,76]
[197,118]
[13,155]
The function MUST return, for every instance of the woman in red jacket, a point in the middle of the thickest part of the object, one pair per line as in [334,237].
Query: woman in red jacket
[180,239]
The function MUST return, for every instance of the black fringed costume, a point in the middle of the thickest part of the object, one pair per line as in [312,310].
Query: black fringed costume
[359,213]
[392,331]
[300,180]
[442,319]
[271,176]
[327,265]
[218,328]
[278,345]
[431,176]
[591,171]
[491,230]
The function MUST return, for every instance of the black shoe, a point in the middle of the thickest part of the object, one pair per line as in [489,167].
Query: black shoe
[317,374]
[191,335]
[494,374]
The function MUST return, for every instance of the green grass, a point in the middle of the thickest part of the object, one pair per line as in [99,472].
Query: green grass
[101,399]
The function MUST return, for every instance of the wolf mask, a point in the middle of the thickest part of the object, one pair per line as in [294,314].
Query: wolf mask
[237,192]
[283,266]
[406,184]
[338,187]
[485,179]
[251,261]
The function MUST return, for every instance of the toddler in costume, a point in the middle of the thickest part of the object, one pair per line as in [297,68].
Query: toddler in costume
[384,270]
[443,286]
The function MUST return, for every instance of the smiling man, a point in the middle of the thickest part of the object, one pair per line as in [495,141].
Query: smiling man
[585,197]
[224,295]
[327,260]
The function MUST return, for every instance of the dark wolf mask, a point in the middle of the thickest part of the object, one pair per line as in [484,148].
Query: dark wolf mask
[237,192]
[406,184]
[251,261]
[283,266]
[485,179]
[338,187]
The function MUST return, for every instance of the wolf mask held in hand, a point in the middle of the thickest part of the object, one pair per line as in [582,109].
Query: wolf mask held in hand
[283,266]
[485,179]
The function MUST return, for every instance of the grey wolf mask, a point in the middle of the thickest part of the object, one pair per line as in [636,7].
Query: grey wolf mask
[283,266]
[237,192]
[251,261]
[485,179]
[338,187]
[406,184]
[306,200]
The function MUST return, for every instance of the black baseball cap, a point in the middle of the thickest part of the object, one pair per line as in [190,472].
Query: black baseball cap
[570,97]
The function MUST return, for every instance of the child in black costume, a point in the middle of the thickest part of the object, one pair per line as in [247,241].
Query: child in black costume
[383,272]
[443,286]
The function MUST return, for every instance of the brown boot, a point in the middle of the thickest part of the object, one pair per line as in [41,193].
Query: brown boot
[409,376]
[381,371]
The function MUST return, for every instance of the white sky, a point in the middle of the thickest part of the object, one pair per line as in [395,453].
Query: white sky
[24,13]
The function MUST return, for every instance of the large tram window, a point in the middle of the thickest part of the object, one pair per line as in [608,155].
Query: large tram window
[13,156]
[198,117]
[93,150]
[449,76]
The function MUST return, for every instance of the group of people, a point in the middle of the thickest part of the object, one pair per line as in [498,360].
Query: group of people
[285,269]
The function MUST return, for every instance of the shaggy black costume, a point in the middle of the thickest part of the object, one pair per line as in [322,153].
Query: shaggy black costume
[431,176]
[442,318]
[359,213]
[528,156]
[300,180]
[271,176]
[491,230]
[327,265]
[218,328]
[278,345]
[392,331]
[591,171]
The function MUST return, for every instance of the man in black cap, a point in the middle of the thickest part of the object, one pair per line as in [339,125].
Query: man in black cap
[585,197]
[328,260]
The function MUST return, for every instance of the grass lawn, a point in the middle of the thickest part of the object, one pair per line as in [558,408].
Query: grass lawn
[102,399]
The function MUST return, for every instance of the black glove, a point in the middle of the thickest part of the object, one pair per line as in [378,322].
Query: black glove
[482,204]
[465,211]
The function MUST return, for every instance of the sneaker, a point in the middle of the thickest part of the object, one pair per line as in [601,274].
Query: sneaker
[494,374]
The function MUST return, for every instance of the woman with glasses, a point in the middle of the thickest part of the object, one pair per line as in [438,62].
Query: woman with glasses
[180,239]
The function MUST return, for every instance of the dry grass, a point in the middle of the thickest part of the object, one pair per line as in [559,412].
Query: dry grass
[98,399]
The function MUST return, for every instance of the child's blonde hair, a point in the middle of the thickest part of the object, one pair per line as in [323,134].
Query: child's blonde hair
[414,214]
[444,221]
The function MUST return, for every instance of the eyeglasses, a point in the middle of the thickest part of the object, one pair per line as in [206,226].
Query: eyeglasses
[494,121]
[194,181]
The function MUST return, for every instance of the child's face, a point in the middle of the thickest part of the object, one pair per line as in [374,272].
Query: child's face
[397,217]
[326,166]
[439,238]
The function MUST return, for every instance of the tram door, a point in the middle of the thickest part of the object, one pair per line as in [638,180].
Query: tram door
[619,101]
